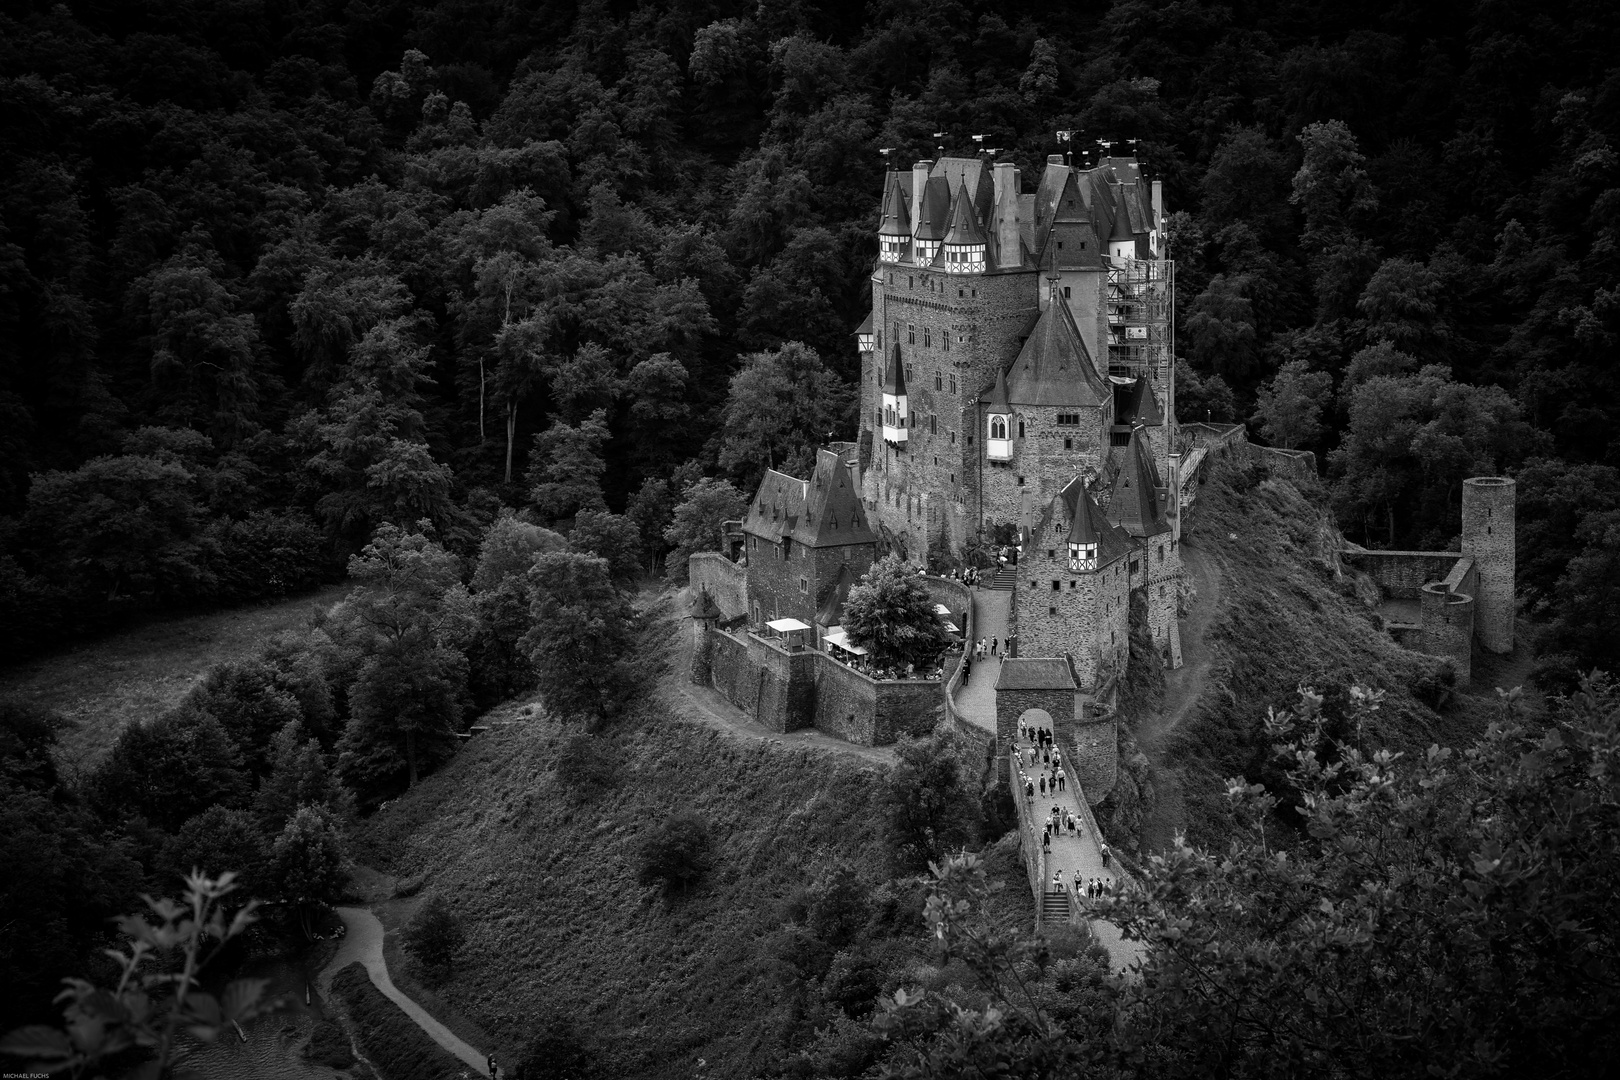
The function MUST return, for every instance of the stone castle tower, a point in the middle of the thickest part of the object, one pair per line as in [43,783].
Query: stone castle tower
[1488,508]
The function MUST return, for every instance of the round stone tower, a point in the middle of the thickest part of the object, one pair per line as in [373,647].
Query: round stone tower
[1448,628]
[1488,535]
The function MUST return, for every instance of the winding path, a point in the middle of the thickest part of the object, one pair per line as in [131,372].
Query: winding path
[363,941]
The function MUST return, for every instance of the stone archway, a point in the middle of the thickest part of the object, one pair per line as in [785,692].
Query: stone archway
[1037,718]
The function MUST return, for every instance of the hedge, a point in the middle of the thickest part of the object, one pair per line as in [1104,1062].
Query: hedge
[396,1047]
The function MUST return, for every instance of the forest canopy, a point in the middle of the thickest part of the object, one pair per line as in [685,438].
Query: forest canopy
[273,273]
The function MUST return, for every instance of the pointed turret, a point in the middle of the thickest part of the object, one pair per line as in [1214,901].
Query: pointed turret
[1093,542]
[998,421]
[895,420]
[1121,242]
[1139,502]
[864,335]
[894,232]
[965,242]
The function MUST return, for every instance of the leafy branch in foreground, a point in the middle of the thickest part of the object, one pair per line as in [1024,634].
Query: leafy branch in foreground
[157,995]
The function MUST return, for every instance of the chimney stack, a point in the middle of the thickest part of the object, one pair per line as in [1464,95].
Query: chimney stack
[1007,186]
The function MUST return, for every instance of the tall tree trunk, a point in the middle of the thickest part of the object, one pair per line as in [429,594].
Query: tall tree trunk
[1390,508]
[481,382]
[410,752]
[511,432]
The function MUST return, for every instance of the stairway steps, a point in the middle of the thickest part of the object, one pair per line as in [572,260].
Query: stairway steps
[1005,579]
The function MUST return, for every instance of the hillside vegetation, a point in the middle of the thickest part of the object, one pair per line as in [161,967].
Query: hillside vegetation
[539,860]
[1285,619]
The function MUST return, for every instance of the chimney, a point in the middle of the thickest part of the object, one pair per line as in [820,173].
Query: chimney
[919,185]
[1054,159]
[1158,205]
[1006,232]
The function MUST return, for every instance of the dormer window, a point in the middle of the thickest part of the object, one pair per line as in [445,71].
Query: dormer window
[964,258]
[891,248]
[1082,556]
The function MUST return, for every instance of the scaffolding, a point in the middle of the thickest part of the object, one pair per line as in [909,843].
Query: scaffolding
[1141,300]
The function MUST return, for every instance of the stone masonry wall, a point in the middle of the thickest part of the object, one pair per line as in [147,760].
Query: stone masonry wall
[1402,574]
[726,581]
[1095,754]
[785,700]
[1060,705]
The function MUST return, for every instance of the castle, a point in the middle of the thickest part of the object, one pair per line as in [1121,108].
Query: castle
[1017,395]
[1017,391]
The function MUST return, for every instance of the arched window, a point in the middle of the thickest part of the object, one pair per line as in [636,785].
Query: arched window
[998,427]
[1020,429]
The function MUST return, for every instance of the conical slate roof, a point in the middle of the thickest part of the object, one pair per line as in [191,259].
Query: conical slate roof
[1139,502]
[894,376]
[1074,516]
[933,217]
[1137,402]
[1054,368]
[964,222]
[1088,524]
[824,511]
[700,605]
[896,218]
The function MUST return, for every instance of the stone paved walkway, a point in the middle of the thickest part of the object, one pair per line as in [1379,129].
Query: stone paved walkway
[1077,856]
[976,701]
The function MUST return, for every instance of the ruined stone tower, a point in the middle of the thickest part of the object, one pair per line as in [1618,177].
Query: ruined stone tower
[1488,507]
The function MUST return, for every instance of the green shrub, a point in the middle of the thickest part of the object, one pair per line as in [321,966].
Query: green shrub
[391,1040]
[676,853]
[434,935]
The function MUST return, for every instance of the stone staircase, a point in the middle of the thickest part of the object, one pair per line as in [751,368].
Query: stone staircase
[1054,906]
[1006,578]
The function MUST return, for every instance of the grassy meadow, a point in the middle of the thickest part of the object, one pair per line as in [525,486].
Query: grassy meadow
[99,686]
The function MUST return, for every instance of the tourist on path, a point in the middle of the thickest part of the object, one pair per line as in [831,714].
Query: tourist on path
[993,641]
[1029,792]
[1046,841]
[1043,785]
[1105,853]
[491,1064]
[1060,779]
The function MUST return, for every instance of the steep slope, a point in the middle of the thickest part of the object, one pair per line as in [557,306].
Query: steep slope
[541,866]
[1280,617]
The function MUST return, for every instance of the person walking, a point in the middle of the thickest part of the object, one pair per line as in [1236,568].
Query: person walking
[1057,758]
[492,1067]
[1029,792]
[1060,779]
[993,640]
[1043,790]
[1105,853]
[1046,841]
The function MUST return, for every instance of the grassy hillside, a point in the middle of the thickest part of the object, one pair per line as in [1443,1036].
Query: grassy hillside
[542,871]
[1283,619]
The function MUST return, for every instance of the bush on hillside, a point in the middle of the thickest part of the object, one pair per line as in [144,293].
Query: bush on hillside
[676,853]
[391,1040]
[434,935]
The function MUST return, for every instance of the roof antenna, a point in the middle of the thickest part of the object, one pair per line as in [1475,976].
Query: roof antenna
[888,162]
[940,135]
[1065,137]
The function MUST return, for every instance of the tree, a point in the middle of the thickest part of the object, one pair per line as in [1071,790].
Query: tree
[214,839]
[408,619]
[121,524]
[889,613]
[781,405]
[249,702]
[676,853]
[1400,304]
[509,548]
[170,769]
[298,776]
[928,813]
[1290,405]
[581,635]
[695,523]
[565,471]
[434,935]
[612,538]
[308,864]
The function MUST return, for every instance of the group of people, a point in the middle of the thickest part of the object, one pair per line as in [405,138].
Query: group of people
[985,647]
[968,576]
[1092,889]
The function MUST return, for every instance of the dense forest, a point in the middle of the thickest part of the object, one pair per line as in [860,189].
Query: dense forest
[432,292]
